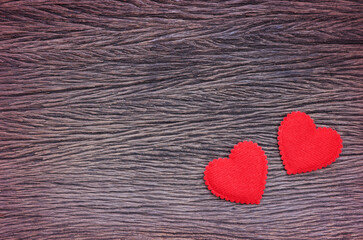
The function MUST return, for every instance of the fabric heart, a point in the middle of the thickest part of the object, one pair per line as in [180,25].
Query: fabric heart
[241,178]
[305,148]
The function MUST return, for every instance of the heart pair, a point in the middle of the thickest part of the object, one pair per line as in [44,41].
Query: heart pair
[241,178]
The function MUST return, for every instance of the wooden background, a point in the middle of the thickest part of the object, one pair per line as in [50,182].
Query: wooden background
[110,111]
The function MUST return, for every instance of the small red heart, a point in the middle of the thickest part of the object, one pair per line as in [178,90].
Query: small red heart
[242,177]
[305,148]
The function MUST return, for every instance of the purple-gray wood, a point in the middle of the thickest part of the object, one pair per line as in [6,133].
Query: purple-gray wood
[110,111]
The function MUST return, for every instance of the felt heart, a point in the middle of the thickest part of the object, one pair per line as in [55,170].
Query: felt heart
[241,178]
[305,148]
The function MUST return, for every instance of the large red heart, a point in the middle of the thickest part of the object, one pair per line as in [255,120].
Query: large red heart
[305,148]
[242,177]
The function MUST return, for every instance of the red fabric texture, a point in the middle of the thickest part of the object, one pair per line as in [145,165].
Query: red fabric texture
[305,148]
[241,178]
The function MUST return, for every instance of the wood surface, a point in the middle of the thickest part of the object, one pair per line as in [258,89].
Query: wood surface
[110,111]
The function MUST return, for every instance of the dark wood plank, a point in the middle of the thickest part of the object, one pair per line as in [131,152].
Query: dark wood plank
[110,110]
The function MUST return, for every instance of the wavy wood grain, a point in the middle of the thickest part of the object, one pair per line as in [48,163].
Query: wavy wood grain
[110,110]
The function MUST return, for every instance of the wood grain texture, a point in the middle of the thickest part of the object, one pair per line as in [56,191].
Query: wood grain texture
[110,111]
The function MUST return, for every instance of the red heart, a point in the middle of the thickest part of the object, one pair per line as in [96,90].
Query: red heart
[305,148]
[242,177]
